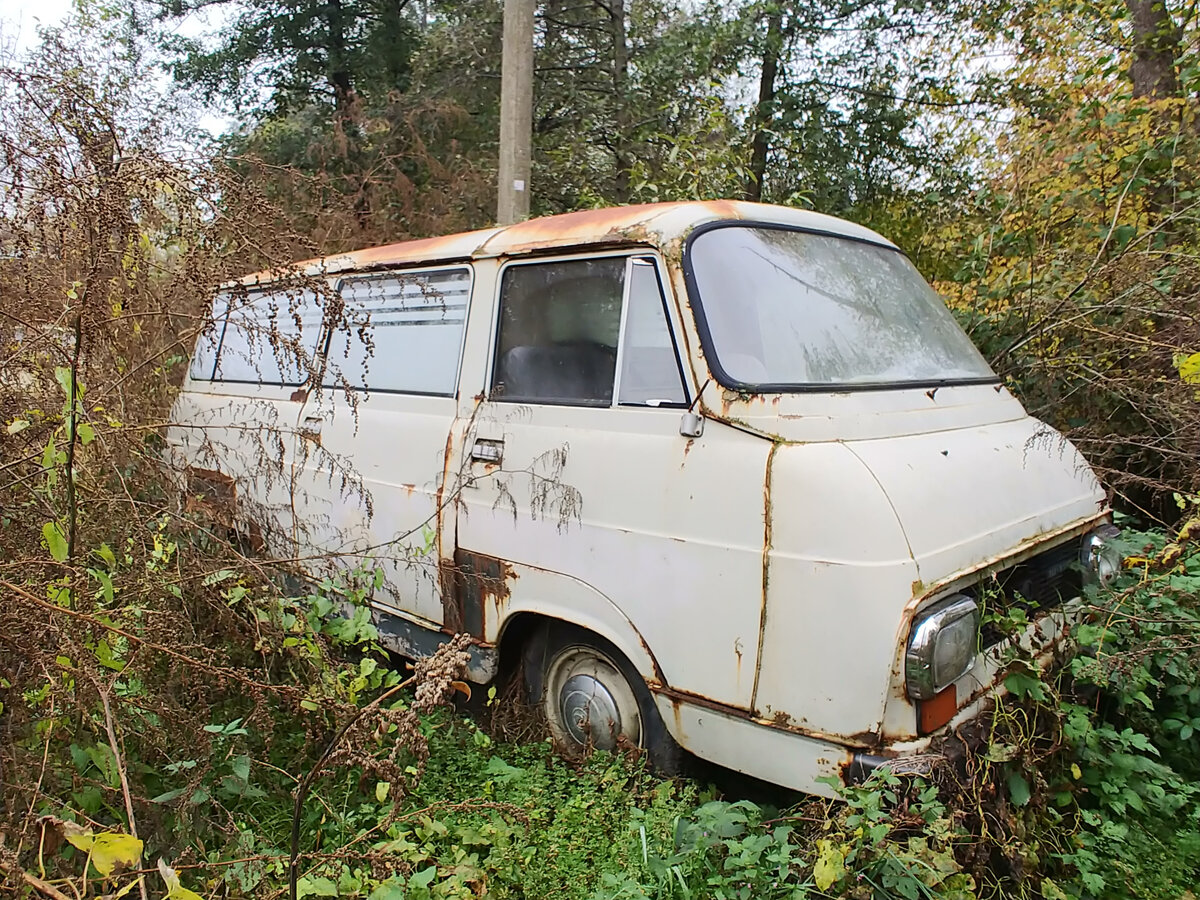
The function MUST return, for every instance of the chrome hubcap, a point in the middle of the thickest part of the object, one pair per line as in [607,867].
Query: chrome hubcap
[590,712]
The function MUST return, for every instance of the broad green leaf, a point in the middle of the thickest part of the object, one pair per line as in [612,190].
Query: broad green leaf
[105,657]
[63,376]
[56,541]
[106,584]
[381,790]
[316,887]
[1018,789]
[113,849]
[86,433]
[392,889]
[16,426]
[502,771]
[106,762]
[424,877]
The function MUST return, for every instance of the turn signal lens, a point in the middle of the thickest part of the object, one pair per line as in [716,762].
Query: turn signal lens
[938,710]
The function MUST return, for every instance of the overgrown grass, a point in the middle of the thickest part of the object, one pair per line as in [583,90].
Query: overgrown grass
[1087,789]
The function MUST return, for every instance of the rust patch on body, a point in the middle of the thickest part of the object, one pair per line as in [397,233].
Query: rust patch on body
[677,698]
[439,510]
[766,569]
[211,493]
[475,589]
[658,680]
[593,227]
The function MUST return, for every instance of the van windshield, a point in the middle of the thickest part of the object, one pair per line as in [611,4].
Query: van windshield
[786,310]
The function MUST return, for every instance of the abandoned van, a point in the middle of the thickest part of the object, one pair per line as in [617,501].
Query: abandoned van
[718,476]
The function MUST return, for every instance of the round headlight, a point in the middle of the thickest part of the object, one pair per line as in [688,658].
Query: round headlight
[1099,556]
[942,646]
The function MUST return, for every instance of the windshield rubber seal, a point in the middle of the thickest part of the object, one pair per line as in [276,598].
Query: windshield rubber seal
[714,363]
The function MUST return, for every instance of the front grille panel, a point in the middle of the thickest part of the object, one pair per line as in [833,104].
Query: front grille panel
[1037,585]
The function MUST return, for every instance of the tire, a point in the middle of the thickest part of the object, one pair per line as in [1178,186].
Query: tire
[593,698]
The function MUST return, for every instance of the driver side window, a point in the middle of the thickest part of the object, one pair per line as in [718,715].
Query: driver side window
[559,324]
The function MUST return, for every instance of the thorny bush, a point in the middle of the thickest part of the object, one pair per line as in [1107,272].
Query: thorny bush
[160,693]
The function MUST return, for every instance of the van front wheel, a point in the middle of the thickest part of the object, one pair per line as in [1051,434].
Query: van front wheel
[593,698]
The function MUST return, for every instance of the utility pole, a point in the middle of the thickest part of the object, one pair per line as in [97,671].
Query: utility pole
[516,112]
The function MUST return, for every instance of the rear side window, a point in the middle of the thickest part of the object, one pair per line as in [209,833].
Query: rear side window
[559,338]
[268,338]
[401,332]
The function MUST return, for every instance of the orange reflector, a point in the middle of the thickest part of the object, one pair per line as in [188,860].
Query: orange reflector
[934,713]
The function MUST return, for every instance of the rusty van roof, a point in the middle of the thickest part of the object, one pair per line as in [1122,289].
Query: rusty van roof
[653,224]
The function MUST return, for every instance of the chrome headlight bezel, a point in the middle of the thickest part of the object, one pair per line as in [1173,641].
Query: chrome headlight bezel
[928,672]
[1099,557]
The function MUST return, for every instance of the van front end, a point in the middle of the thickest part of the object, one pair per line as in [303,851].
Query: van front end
[884,616]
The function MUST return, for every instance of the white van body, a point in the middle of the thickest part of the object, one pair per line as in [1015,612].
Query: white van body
[764,556]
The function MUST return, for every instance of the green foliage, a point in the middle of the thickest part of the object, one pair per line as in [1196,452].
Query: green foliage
[288,54]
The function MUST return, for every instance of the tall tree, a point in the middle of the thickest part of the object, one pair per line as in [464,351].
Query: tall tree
[764,110]
[278,56]
[1156,49]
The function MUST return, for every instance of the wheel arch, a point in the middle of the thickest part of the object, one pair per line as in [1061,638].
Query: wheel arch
[567,600]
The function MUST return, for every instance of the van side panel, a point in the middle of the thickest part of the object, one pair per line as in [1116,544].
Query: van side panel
[368,488]
[244,433]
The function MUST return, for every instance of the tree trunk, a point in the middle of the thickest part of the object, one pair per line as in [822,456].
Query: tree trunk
[622,144]
[764,111]
[1155,49]
[339,67]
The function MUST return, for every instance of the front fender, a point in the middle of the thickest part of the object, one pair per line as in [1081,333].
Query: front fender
[557,596]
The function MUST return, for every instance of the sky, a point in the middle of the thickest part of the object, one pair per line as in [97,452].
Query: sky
[19,20]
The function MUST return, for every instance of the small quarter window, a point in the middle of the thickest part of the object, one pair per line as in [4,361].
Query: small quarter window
[557,340]
[650,374]
[401,332]
[204,359]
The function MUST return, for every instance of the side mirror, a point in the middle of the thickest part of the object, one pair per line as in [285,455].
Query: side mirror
[691,425]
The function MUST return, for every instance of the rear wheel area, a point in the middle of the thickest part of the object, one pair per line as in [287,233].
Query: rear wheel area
[592,697]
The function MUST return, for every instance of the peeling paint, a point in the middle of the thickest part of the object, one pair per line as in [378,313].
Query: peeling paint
[766,571]
[612,226]
[780,722]
[475,590]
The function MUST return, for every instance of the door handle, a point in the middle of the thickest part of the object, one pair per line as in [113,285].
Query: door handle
[484,450]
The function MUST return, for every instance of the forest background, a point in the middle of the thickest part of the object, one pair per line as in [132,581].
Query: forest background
[1038,161]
